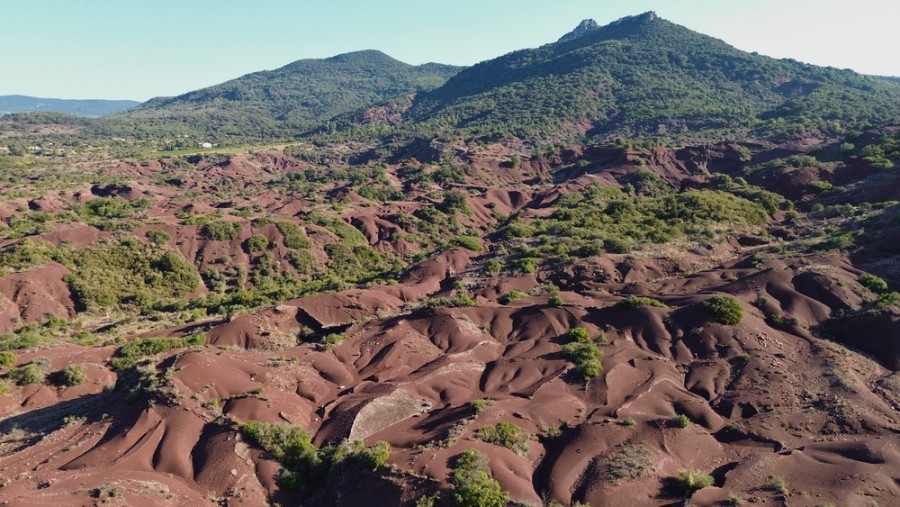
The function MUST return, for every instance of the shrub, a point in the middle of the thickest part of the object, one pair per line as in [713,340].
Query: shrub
[511,296]
[7,359]
[473,484]
[634,302]
[222,231]
[578,334]
[158,238]
[4,387]
[73,375]
[873,283]
[555,300]
[584,353]
[478,406]
[690,480]
[724,309]
[305,466]
[257,243]
[455,200]
[505,434]
[455,301]
[469,242]
[332,340]
[493,267]
[733,500]
[294,237]
[132,352]
[31,373]
[679,421]
[778,484]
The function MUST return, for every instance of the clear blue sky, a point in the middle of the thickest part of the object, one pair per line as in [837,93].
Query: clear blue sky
[137,49]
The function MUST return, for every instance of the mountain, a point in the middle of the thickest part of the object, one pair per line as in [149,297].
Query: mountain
[645,75]
[90,108]
[295,97]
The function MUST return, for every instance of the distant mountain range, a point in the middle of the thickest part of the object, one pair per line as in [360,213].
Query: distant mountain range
[296,97]
[88,108]
[638,76]
[644,75]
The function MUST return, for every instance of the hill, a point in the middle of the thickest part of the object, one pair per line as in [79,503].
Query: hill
[295,97]
[643,75]
[89,108]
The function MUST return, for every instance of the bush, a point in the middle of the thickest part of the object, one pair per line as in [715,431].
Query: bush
[158,238]
[31,373]
[478,406]
[469,242]
[257,243]
[473,484]
[222,231]
[5,387]
[778,484]
[332,340]
[693,480]
[873,283]
[294,237]
[578,334]
[505,434]
[132,352]
[635,302]
[493,267]
[679,421]
[555,300]
[306,467]
[74,375]
[7,359]
[724,310]
[511,296]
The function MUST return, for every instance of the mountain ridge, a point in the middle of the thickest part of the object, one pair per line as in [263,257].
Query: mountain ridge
[91,108]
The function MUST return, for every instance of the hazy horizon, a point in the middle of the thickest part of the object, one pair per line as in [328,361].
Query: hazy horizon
[120,51]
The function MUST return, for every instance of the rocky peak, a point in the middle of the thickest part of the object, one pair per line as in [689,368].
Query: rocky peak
[586,26]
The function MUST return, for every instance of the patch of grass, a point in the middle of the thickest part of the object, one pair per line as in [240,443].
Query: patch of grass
[332,340]
[734,500]
[469,242]
[628,462]
[222,231]
[690,480]
[679,421]
[134,351]
[510,296]
[778,484]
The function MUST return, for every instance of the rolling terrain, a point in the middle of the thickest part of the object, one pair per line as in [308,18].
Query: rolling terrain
[671,281]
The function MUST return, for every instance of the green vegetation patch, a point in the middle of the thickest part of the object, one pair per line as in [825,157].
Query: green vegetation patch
[140,348]
[724,310]
[635,302]
[473,483]
[584,352]
[306,468]
[505,434]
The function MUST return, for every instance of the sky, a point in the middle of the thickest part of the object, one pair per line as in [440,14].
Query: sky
[138,49]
